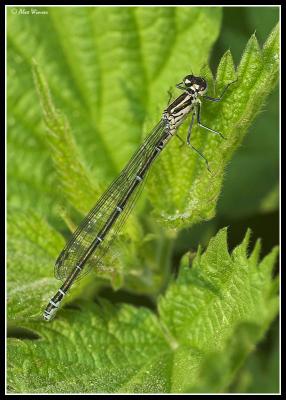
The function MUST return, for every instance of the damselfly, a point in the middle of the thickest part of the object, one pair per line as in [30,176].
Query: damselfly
[94,235]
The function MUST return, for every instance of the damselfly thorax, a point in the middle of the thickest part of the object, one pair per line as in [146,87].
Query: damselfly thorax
[180,108]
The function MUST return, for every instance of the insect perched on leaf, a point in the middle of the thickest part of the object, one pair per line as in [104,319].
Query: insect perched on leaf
[92,238]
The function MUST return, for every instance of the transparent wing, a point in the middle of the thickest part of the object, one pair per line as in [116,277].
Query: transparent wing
[96,259]
[96,219]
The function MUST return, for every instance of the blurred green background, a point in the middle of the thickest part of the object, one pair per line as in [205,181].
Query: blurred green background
[250,196]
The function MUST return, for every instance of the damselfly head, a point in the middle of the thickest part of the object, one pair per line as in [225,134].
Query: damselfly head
[195,83]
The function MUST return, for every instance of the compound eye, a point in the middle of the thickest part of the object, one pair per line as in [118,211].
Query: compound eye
[188,80]
[201,83]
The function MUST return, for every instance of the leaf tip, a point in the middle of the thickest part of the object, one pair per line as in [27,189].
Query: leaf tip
[226,68]
[268,262]
[272,38]
[268,275]
[218,242]
[246,240]
[252,44]
[242,249]
[255,254]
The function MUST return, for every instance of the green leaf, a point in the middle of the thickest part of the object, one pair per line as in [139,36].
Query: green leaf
[202,190]
[74,177]
[107,76]
[190,193]
[32,248]
[102,81]
[249,163]
[220,367]
[79,99]
[215,311]
[260,373]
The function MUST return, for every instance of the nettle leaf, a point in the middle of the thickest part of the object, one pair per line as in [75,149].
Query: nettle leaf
[208,321]
[131,246]
[190,192]
[34,245]
[201,188]
[109,79]
[106,74]
[260,372]
[32,248]
[74,177]
[249,162]
[72,174]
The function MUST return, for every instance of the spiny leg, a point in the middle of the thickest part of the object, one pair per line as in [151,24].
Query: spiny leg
[204,126]
[190,144]
[181,140]
[181,86]
[170,93]
[221,96]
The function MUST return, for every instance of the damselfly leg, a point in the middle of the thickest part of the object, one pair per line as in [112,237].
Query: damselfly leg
[216,99]
[190,144]
[170,93]
[198,113]
[204,126]
[181,140]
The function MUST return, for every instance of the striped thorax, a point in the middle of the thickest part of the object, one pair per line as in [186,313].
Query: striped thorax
[178,110]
